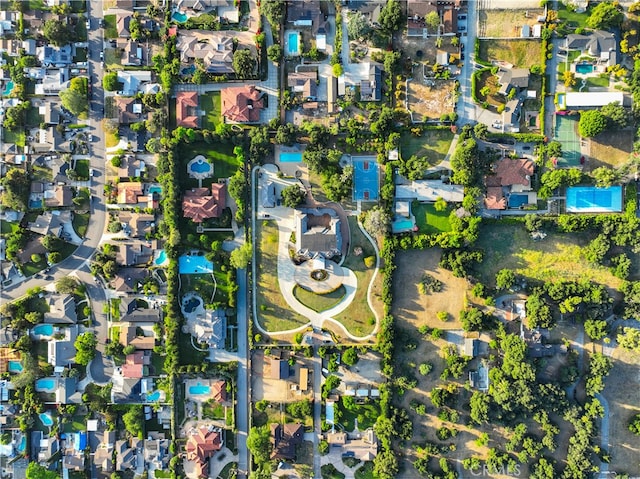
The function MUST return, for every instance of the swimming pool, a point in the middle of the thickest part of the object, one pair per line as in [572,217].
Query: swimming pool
[290,157]
[161,258]
[35,203]
[43,330]
[293,44]
[192,264]
[402,226]
[589,199]
[584,68]
[179,17]
[15,367]
[46,419]
[45,385]
[200,166]
[155,189]
[7,88]
[199,390]
[23,444]
[516,201]
[155,396]
[191,304]
[188,70]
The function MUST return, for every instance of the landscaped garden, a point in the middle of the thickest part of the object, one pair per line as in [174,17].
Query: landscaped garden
[220,155]
[319,302]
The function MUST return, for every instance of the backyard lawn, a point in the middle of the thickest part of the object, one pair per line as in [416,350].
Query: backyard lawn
[433,144]
[572,19]
[189,354]
[199,283]
[17,137]
[110,30]
[358,318]
[365,471]
[210,103]
[274,313]
[220,155]
[520,53]
[82,169]
[429,220]
[366,414]
[319,302]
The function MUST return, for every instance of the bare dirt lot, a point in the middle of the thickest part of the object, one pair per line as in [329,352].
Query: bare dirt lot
[418,309]
[428,99]
[506,23]
[611,148]
[274,390]
[424,49]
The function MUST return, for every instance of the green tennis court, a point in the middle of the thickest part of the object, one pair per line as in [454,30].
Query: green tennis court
[566,132]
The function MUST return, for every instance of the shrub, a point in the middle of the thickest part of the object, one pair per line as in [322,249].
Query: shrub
[370,261]
[442,316]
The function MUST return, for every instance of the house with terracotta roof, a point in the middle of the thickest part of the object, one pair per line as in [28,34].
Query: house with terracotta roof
[202,444]
[219,390]
[129,192]
[136,365]
[187,109]
[129,337]
[510,177]
[62,195]
[242,104]
[284,439]
[199,204]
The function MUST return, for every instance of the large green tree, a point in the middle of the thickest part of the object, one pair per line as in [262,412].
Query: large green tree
[58,32]
[16,189]
[36,471]
[240,257]
[110,81]
[292,196]
[617,116]
[391,16]
[134,420]
[75,98]
[259,443]
[592,122]
[605,15]
[243,63]
[85,345]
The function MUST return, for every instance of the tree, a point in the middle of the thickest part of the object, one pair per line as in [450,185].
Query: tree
[36,471]
[57,32]
[532,222]
[110,81]
[357,26]
[591,123]
[274,11]
[286,134]
[480,131]
[67,285]
[596,328]
[274,53]
[543,469]
[52,242]
[440,204]
[385,465]
[472,319]
[629,338]
[134,420]
[479,407]
[243,63]
[616,115]
[259,443]
[85,345]
[538,311]
[337,69]
[605,176]
[432,20]
[350,357]
[634,425]
[240,257]
[377,221]
[391,16]
[292,196]
[569,78]
[75,97]
[605,15]
[505,279]
[16,189]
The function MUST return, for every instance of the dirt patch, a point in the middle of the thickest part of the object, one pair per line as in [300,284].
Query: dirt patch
[611,148]
[424,49]
[428,98]
[506,23]
[366,371]
[276,390]
[418,309]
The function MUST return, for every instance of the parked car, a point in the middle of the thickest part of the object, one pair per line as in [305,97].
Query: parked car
[462,17]
[461,28]
[526,148]
[88,24]
[101,55]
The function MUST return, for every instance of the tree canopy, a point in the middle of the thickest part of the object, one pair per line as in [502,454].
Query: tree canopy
[110,81]
[85,345]
[16,189]
[592,122]
[605,15]
[36,471]
[75,98]
[259,443]
[243,63]
[292,196]
[616,115]
[391,16]
[57,32]
[240,257]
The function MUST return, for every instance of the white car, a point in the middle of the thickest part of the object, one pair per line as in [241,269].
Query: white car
[497,124]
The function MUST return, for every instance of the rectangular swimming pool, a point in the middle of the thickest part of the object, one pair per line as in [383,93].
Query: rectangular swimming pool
[589,199]
[293,40]
[290,157]
[584,68]
[516,201]
[402,226]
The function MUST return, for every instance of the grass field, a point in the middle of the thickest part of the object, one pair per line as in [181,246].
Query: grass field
[429,220]
[558,256]
[110,30]
[365,471]
[80,223]
[273,311]
[610,148]
[365,413]
[358,317]
[210,103]
[572,19]
[505,23]
[520,53]
[432,143]
[319,302]
[82,169]
[17,137]
[601,81]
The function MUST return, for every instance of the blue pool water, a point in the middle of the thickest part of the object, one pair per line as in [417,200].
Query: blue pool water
[15,367]
[7,88]
[290,156]
[200,166]
[194,265]
[153,396]
[589,199]
[179,17]
[45,384]
[402,226]
[199,389]
[46,419]
[516,201]
[191,304]
[293,47]
[188,70]
[23,444]
[162,257]
[155,189]
[584,68]
[43,330]
[35,203]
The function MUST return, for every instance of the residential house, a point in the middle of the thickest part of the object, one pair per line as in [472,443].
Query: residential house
[103,457]
[219,390]
[43,447]
[371,88]
[8,270]
[370,10]
[187,109]
[136,225]
[130,254]
[304,83]
[9,335]
[62,309]
[53,82]
[471,347]
[512,78]
[136,365]
[449,17]
[306,14]
[131,167]
[156,452]
[202,444]
[363,446]
[51,56]
[226,10]
[133,53]
[284,439]
[129,390]
[123,20]
[586,100]
[428,191]
[51,112]
[61,195]
[130,311]
[536,345]
[73,460]
[127,452]
[599,44]
[214,49]
[67,391]
[49,223]
[50,140]
[417,11]
[129,280]
[61,352]
[318,232]
[509,177]
[242,104]
[129,337]
[133,81]
[198,204]
[130,192]
[129,110]
[279,367]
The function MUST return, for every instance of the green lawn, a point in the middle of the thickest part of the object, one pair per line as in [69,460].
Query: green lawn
[573,19]
[329,471]
[67,249]
[7,228]
[30,268]
[213,410]
[17,137]
[365,471]
[34,118]
[220,155]
[366,413]
[200,283]
[210,103]
[429,220]
[433,143]
[80,223]
[41,174]
[319,302]
[520,52]
[82,168]
[599,81]
[162,474]
[188,354]
[110,30]
[226,471]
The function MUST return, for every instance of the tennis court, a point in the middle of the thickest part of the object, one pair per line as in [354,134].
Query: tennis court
[366,178]
[589,199]
[566,132]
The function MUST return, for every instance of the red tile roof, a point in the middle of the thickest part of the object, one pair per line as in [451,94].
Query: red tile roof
[219,391]
[198,204]
[201,446]
[242,104]
[187,109]
[514,172]
[495,200]
[128,192]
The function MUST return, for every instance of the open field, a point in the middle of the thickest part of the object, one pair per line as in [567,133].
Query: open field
[358,317]
[416,309]
[428,100]
[520,53]
[432,144]
[273,311]
[558,256]
[506,23]
[572,19]
[610,148]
